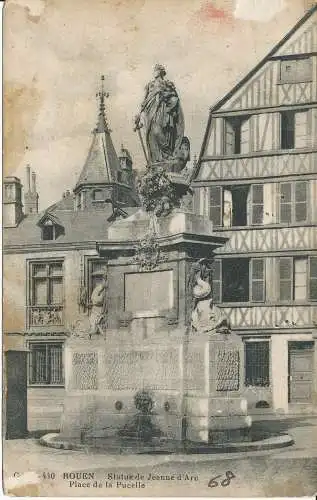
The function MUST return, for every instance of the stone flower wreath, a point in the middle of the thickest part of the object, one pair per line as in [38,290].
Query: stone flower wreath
[158,193]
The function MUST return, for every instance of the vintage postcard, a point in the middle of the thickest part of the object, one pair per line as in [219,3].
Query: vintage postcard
[160,248]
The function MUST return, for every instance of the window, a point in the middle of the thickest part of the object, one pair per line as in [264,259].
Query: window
[237,135]
[98,195]
[296,70]
[293,201]
[47,283]
[81,201]
[96,270]
[293,278]
[313,278]
[257,363]
[8,192]
[215,211]
[238,205]
[46,363]
[295,131]
[51,230]
[46,293]
[216,280]
[288,130]
[242,280]
[48,232]
[257,203]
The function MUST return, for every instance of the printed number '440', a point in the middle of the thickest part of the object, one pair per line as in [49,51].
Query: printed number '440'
[225,482]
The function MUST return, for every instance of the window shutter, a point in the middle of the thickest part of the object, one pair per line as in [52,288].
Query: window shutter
[263,135]
[257,203]
[286,202]
[245,136]
[215,212]
[301,129]
[313,278]
[300,201]
[229,138]
[257,280]
[286,278]
[216,280]
[300,278]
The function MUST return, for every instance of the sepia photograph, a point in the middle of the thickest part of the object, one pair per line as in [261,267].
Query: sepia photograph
[159,248]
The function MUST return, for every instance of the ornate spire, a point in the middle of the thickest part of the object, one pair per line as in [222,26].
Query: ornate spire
[102,125]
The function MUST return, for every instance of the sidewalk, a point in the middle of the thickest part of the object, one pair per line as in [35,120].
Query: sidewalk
[281,472]
[28,454]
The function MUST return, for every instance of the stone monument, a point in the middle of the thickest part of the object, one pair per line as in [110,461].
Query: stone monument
[159,361]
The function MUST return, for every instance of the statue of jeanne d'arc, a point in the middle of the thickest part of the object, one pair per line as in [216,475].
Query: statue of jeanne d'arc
[162,117]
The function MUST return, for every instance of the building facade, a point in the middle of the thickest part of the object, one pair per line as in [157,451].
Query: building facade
[52,265]
[256,179]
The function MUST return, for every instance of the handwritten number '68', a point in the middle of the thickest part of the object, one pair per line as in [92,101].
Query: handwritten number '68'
[225,482]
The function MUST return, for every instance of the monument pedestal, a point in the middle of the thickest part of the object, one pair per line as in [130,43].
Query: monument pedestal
[189,385]
[215,410]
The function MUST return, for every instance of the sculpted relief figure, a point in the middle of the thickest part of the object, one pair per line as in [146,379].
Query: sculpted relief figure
[162,117]
[98,310]
[206,317]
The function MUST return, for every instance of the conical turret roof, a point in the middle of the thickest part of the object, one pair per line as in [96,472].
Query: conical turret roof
[102,163]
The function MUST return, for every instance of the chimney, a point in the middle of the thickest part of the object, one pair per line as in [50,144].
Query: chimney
[33,182]
[31,198]
[12,202]
[28,178]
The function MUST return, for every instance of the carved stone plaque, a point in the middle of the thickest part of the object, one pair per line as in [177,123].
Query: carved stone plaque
[143,369]
[228,370]
[85,371]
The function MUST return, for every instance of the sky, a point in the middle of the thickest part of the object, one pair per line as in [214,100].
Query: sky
[56,50]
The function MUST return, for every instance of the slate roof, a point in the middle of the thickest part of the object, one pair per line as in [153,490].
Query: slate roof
[79,227]
[102,163]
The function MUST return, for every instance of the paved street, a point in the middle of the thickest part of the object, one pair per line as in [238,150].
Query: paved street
[283,472]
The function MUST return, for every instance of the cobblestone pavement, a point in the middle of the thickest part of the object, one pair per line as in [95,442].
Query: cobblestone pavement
[289,471]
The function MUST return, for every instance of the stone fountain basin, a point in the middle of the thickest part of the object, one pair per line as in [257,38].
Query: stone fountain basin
[121,446]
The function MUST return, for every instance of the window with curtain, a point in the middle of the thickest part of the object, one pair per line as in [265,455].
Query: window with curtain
[242,279]
[236,205]
[46,363]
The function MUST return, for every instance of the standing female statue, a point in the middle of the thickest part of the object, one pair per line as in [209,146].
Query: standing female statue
[163,119]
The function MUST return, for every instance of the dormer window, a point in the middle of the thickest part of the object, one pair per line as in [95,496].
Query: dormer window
[51,227]
[48,233]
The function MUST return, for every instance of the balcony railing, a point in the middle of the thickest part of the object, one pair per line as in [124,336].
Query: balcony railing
[49,315]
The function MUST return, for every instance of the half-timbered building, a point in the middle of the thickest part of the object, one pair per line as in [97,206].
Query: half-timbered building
[256,179]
